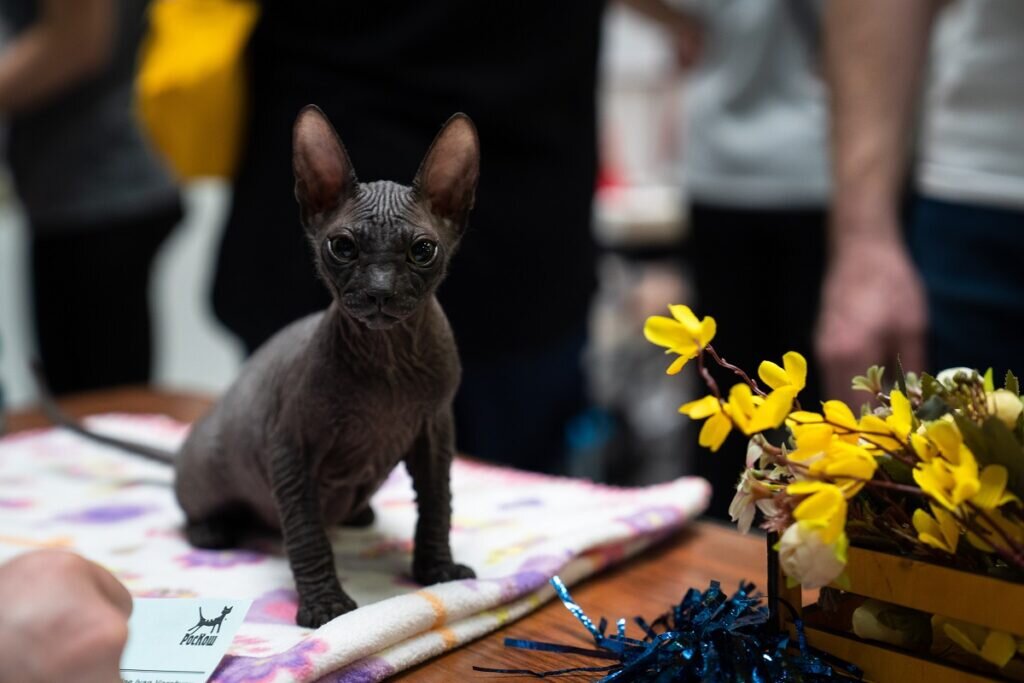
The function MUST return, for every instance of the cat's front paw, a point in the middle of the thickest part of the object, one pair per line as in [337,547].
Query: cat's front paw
[441,572]
[316,611]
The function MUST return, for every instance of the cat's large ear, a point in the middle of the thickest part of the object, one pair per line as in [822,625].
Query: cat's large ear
[324,177]
[446,180]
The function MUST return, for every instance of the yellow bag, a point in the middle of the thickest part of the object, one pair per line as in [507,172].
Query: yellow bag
[191,86]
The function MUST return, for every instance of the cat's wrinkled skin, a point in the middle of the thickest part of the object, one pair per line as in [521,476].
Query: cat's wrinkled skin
[325,410]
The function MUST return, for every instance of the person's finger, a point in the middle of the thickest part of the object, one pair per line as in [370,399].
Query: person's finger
[112,589]
[98,657]
[844,350]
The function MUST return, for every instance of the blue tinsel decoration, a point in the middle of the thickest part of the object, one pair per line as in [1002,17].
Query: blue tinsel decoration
[709,636]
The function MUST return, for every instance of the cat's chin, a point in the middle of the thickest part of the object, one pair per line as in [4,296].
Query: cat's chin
[379,321]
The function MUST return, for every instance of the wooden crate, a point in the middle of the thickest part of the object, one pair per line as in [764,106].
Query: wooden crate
[930,588]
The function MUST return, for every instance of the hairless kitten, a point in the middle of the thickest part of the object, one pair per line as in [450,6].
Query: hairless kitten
[322,412]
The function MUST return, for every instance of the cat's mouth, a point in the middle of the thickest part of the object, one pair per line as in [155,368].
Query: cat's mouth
[379,320]
[376,318]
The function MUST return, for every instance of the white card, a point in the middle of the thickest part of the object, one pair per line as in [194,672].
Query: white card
[174,640]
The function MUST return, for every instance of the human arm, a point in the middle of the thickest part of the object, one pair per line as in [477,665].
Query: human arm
[63,618]
[873,304]
[70,41]
[682,26]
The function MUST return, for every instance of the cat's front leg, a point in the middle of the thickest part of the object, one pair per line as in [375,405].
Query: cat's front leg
[321,597]
[429,465]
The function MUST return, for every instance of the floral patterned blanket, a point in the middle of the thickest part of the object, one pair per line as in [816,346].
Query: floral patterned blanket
[516,529]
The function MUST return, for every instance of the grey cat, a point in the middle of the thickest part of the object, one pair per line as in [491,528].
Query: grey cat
[322,413]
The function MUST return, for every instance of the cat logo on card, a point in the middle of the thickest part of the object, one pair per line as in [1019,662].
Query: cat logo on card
[195,635]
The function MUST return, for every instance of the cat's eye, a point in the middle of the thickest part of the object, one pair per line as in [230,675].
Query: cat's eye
[423,252]
[343,248]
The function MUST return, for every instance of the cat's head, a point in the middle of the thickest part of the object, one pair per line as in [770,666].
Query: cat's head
[383,248]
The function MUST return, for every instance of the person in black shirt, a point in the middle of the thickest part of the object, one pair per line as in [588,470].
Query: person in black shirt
[388,74]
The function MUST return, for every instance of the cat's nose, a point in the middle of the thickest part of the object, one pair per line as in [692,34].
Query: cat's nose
[379,297]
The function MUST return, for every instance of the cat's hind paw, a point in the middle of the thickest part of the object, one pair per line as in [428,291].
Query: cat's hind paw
[361,519]
[216,533]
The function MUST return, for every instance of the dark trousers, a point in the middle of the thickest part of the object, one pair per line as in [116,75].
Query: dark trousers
[91,300]
[758,273]
[515,409]
[970,258]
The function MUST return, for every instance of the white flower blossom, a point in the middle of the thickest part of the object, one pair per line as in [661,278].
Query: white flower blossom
[807,559]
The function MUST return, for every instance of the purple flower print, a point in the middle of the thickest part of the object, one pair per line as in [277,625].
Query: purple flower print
[274,607]
[107,514]
[521,503]
[653,518]
[296,662]
[531,575]
[218,559]
[369,670]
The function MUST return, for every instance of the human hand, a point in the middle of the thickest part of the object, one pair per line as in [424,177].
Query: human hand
[872,309]
[683,28]
[687,38]
[63,618]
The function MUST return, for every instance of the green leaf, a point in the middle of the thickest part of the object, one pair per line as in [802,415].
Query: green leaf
[990,385]
[930,386]
[994,444]
[898,471]
[932,409]
[901,377]
[974,438]
[861,383]
[870,381]
[1011,383]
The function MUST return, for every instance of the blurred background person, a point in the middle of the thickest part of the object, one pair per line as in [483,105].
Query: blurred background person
[756,176]
[388,75]
[960,279]
[98,202]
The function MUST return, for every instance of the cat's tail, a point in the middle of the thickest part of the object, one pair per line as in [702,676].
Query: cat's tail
[53,412]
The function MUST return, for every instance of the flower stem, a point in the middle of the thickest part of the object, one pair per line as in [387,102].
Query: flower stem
[708,379]
[1011,556]
[1015,548]
[735,370]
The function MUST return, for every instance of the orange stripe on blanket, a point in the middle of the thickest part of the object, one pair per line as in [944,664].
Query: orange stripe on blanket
[448,636]
[440,612]
[25,542]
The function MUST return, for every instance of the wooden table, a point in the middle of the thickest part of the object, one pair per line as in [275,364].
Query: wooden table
[646,585]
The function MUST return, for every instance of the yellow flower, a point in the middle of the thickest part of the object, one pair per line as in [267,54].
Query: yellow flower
[940,531]
[993,493]
[996,647]
[878,435]
[682,334]
[949,485]
[824,508]
[813,550]
[717,426]
[948,471]
[794,373]
[752,414]
[745,411]
[840,415]
[997,522]
[827,456]
[902,418]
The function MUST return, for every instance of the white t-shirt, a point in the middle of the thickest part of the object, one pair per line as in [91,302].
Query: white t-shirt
[972,143]
[757,133]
